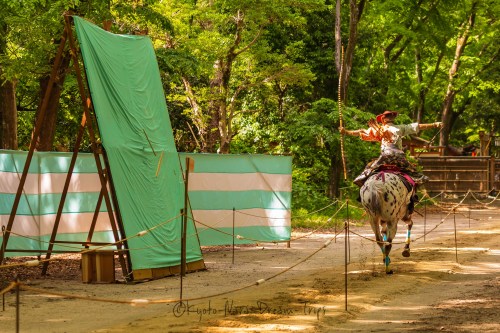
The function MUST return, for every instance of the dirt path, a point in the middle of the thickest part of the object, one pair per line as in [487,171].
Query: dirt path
[429,291]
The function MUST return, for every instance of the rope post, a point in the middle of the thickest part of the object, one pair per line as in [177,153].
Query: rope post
[455,227]
[335,219]
[183,254]
[182,249]
[425,219]
[183,243]
[346,233]
[441,206]
[184,212]
[469,216]
[234,213]
[335,240]
[3,243]
[18,304]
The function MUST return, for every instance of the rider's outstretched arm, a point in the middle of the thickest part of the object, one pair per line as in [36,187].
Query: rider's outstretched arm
[353,133]
[431,125]
[365,134]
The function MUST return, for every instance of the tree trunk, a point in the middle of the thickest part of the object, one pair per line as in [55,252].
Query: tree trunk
[215,106]
[422,93]
[356,10]
[447,111]
[334,175]
[418,116]
[197,118]
[220,86]
[8,116]
[45,140]
[8,110]
[338,36]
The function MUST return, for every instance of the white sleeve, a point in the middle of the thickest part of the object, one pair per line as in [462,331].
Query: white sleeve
[408,129]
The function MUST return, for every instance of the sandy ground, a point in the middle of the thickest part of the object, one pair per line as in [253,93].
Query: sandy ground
[429,292]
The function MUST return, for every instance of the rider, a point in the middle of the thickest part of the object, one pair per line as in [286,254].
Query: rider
[390,136]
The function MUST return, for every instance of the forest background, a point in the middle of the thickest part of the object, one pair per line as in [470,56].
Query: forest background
[268,76]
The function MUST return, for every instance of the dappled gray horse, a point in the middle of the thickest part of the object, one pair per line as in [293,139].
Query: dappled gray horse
[385,197]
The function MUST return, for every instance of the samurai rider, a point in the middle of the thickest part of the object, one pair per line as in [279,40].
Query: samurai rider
[392,157]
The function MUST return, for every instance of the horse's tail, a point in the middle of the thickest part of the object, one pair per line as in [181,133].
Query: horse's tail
[376,205]
[371,199]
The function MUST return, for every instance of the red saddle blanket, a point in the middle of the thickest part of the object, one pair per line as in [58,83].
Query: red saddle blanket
[407,180]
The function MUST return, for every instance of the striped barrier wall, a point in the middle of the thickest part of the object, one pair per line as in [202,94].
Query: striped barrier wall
[257,187]
[40,199]
[246,197]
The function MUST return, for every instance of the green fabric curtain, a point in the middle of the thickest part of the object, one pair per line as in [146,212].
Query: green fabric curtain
[134,124]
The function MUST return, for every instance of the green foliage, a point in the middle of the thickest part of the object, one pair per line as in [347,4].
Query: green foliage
[333,217]
[282,83]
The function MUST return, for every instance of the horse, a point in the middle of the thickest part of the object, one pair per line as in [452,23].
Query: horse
[461,151]
[385,196]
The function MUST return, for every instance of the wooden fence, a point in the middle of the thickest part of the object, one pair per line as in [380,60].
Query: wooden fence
[457,174]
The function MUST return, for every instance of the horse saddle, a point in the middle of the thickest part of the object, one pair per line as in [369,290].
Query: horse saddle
[406,179]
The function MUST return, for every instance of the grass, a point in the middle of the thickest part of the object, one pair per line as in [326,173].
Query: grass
[328,219]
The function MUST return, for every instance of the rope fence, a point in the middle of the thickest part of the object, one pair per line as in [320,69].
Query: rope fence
[18,285]
[426,198]
[26,287]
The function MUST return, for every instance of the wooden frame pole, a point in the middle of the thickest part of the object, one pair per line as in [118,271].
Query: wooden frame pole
[34,139]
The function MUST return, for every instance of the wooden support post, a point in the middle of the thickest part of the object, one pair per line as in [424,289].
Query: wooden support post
[64,193]
[94,219]
[36,133]
[104,173]
[127,270]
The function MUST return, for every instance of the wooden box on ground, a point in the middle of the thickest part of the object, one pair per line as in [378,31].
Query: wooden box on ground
[157,273]
[98,266]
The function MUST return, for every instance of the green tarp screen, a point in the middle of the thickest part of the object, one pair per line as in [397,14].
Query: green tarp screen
[134,124]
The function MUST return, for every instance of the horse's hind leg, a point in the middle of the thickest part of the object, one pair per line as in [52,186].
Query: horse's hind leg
[383,233]
[387,259]
[409,224]
[384,238]
[379,232]
[390,233]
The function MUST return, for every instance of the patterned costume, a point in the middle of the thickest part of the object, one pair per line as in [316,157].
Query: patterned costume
[391,151]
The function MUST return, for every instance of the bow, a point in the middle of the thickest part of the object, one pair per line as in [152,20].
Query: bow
[430,142]
[340,114]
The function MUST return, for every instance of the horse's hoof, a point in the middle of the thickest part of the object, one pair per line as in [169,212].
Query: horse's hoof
[389,272]
[406,253]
